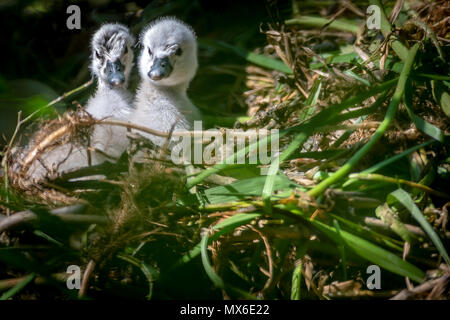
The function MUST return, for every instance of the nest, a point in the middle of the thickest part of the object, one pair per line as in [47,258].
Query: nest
[71,130]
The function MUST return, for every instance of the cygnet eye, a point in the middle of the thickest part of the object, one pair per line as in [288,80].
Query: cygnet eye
[126,50]
[150,52]
[179,52]
[98,56]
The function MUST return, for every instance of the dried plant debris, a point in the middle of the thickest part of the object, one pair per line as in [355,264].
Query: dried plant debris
[362,179]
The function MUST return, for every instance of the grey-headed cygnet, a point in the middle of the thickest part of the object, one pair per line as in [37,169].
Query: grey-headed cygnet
[167,64]
[112,61]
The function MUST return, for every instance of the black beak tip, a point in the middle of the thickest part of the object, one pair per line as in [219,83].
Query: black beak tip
[115,82]
[155,75]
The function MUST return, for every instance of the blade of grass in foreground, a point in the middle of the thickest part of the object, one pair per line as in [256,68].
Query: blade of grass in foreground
[297,282]
[428,128]
[393,105]
[403,197]
[321,118]
[150,273]
[214,276]
[390,160]
[220,229]
[386,30]
[367,250]
[13,291]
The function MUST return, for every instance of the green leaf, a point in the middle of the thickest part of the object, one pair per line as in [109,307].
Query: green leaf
[421,124]
[150,273]
[206,265]
[18,287]
[305,129]
[242,189]
[441,96]
[270,182]
[365,249]
[296,282]
[214,276]
[373,253]
[403,197]
[224,227]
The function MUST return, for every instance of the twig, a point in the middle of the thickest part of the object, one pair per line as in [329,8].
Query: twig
[87,274]
[269,257]
[429,285]
[374,222]
[68,214]
[379,177]
[134,126]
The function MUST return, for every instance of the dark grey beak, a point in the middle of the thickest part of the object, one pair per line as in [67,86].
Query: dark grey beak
[114,72]
[161,69]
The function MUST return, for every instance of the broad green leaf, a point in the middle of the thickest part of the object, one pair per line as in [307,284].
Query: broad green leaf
[242,189]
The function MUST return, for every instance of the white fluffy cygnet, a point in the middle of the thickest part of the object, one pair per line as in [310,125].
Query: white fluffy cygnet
[112,61]
[167,64]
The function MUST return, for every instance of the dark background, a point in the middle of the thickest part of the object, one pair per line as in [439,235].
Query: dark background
[42,58]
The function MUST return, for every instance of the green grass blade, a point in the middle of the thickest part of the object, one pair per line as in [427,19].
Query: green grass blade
[296,292]
[270,183]
[215,278]
[429,129]
[220,229]
[206,264]
[17,288]
[386,30]
[150,273]
[393,105]
[242,189]
[320,119]
[403,197]
[372,252]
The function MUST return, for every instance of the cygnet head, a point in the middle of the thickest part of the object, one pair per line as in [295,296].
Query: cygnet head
[112,55]
[169,53]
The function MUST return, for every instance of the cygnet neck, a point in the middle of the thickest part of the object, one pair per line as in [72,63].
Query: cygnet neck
[180,88]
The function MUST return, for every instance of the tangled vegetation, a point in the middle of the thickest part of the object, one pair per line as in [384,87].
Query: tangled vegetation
[361,178]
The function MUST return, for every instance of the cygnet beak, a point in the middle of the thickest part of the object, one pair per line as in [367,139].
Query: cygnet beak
[160,69]
[114,73]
